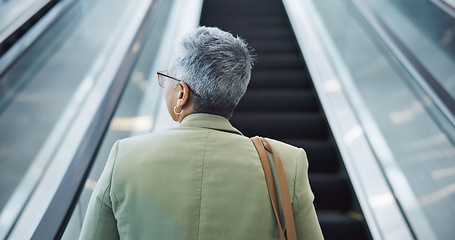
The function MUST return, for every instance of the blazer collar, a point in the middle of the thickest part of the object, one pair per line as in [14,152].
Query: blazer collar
[210,121]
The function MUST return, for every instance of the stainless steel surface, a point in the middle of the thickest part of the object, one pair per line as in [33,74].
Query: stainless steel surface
[380,209]
[423,28]
[141,108]
[406,129]
[424,153]
[50,96]
[405,61]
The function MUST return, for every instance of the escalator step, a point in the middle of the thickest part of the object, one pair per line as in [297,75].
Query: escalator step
[281,125]
[281,60]
[274,46]
[332,191]
[243,10]
[258,35]
[217,4]
[271,41]
[340,226]
[278,101]
[237,25]
[322,155]
[279,79]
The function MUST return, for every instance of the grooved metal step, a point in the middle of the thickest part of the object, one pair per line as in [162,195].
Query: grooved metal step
[341,226]
[322,156]
[238,24]
[330,192]
[294,125]
[286,100]
[279,60]
[279,79]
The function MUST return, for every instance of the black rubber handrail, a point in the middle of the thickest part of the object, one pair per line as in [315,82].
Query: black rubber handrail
[58,213]
[18,42]
[10,39]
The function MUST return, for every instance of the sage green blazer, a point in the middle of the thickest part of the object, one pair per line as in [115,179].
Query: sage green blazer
[201,180]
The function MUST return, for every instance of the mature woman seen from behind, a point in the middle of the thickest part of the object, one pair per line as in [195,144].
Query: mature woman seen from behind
[203,179]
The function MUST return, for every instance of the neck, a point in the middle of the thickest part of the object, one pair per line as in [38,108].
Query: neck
[187,110]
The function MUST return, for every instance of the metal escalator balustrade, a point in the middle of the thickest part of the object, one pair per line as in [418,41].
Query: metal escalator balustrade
[281,103]
[54,99]
[22,23]
[141,108]
[395,138]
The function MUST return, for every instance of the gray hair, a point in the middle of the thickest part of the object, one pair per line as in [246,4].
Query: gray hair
[217,68]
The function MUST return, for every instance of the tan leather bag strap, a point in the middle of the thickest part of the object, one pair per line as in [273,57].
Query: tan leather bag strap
[261,146]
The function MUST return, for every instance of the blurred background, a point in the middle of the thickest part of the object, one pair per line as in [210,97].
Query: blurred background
[366,87]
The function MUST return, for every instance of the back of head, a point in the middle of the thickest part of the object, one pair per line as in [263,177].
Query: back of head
[217,68]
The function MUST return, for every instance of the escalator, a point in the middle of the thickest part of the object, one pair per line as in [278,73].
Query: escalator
[59,91]
[281,103]
[398,151]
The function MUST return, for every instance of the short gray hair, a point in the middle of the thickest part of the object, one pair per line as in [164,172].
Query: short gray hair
[217,68]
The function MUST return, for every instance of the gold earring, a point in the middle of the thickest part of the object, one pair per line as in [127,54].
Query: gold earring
[178,113]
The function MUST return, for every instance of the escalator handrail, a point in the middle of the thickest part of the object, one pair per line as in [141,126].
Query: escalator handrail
[431,86]
[31,11]
[58,213]
[367,177]
[57,8]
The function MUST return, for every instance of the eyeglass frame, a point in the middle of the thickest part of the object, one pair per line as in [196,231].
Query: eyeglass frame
[175,79]
[165,75]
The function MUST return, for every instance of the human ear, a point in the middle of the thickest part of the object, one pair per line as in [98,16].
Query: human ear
[183,94]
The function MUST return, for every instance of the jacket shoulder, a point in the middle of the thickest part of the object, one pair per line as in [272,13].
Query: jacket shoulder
[286,151]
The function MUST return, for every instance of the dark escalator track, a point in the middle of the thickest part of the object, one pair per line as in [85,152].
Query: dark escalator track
[281,103]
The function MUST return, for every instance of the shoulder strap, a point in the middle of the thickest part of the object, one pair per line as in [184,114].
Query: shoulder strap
[261,146]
